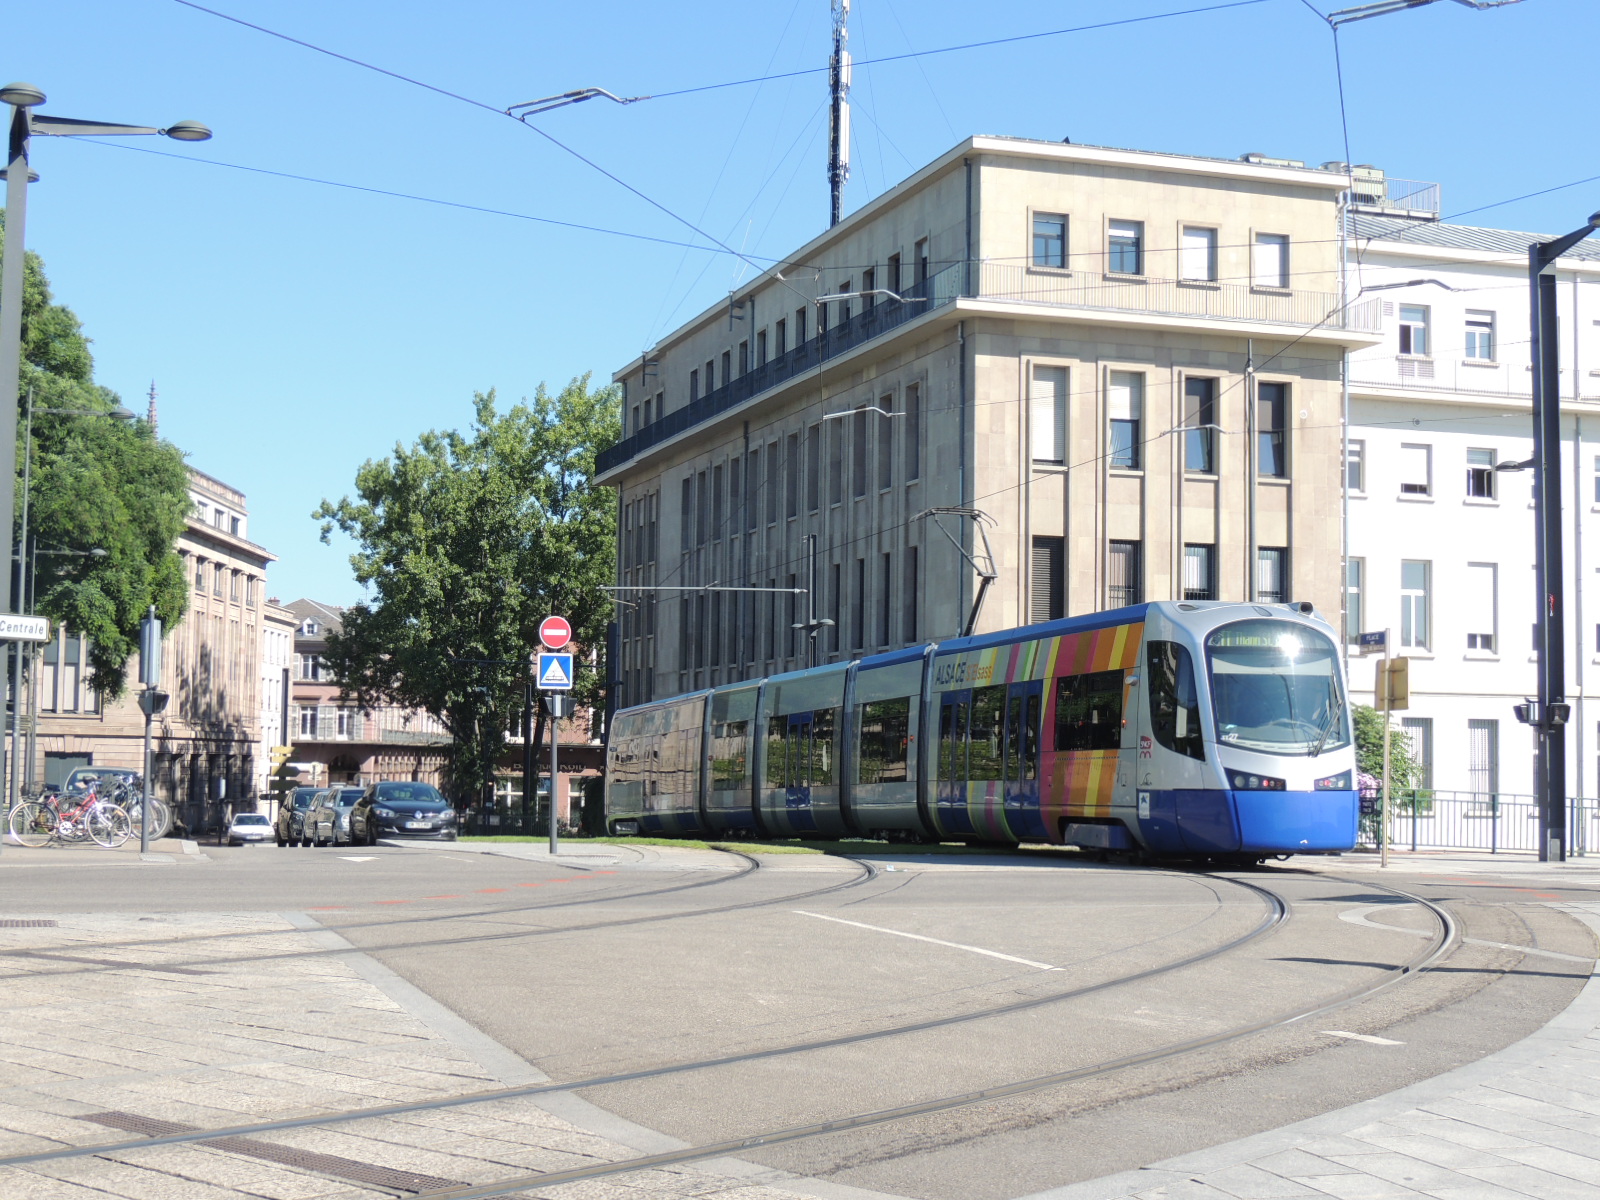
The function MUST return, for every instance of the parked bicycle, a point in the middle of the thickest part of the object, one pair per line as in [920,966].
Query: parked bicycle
[55,818]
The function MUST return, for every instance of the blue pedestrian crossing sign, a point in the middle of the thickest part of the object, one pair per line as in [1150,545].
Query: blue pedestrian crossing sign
[555,672]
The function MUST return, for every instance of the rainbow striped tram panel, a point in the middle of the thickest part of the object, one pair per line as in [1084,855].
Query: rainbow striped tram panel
[801,737]
[885,704]
[654,768]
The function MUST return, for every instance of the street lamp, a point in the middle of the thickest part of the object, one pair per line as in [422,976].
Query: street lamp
[1549,716]
[23,98]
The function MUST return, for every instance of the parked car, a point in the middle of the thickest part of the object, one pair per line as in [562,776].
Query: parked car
[105,779]
[328,819]
[248,827]
[401,809]
[290,828]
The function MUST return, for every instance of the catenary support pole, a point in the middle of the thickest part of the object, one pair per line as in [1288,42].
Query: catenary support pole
[1383,811]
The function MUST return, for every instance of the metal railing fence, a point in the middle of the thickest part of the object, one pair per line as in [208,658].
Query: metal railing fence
[1494,822]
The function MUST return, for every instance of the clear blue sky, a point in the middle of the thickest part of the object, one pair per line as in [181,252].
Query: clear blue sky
[295,330]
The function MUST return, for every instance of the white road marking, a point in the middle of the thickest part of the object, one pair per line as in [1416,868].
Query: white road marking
[1357,916]
[1578,958]
[365,858]
[917,937]
[1362,1037]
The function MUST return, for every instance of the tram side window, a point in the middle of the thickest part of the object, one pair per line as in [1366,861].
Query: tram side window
[884,747]
[729,768]
[777,757]
[1089,711]
[1174,704]
[988,732]
[1029,707]
[953,741]
[822,725]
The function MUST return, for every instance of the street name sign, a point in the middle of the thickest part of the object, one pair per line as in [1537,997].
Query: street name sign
[555,672]
[24,629]
[1371,642]
[555,632]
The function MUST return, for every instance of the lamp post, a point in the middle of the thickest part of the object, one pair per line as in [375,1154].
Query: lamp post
[1549,716]
[24,123]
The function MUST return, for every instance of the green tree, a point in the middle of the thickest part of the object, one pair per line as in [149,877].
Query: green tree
[1404,770]
[465,543]
[96,484]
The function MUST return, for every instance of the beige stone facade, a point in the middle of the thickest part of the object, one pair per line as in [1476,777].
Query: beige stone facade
[1128,363]
[205,743]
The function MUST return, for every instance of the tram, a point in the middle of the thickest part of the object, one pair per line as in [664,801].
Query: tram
[1210,730]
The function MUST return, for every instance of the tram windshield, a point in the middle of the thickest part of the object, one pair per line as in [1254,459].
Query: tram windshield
[1275,688]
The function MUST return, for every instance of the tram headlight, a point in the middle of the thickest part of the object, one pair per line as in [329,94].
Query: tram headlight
[1245,782]
[1335,783]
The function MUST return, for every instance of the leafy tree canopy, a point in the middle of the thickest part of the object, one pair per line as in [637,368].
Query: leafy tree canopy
[466,542]
[1405,771]
[96,484]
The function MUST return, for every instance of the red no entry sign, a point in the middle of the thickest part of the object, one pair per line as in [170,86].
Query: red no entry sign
[555,632]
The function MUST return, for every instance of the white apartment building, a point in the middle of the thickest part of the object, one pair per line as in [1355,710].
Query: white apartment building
[1441,544]
[278,625]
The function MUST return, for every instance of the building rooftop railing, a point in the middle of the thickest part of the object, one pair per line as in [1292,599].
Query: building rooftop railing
[1090,290]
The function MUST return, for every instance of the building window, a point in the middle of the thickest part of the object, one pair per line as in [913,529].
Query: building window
[1270,262]
[835,462]
[774,469]
[1049,414]
[792,478]
[694,384]
[200,563]
[1047,599]
[800,316]
[1200,419]
[646,419]
[1199,572]
[885,444]
[1125,405]
[1480,605]
[1271,401]
[910,591]
[858,607]
[752,491]
[342,722]
[1414,329]
[892,274]
[913,421]
[1272,574]
[919,253]
[233,587]
[1354,571]
[761,348]
[780,338]
[235,526]
[813,468]
[1414,607]
[1480,336]
[1480,474]
[1355,466]
[844,305]
[217,572]
[1416,470]
[836,595]
[858,437]
[1419,731]
[1124,575]
[1125,242]
[1198,260]
[885,589]
[727,367]
[869,286]
[744,358]
[1049,240]
[1483,759]
[711,376]
[308,720]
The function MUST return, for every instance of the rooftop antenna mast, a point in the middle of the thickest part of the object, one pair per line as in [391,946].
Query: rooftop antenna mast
[839,117]
[150,413]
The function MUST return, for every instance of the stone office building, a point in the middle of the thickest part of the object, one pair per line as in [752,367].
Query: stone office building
[205,743]
[1116,372]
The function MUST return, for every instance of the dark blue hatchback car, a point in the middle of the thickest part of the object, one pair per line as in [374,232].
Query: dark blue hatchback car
[402,809]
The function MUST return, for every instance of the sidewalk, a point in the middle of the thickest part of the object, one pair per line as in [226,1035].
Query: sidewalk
[167,850]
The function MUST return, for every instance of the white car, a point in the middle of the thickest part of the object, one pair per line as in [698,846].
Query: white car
[249,827]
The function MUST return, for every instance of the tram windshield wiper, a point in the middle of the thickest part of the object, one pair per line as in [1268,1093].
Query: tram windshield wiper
[1327,731]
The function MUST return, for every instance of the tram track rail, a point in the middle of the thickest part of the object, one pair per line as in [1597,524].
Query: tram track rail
[867,873]
[1276,912]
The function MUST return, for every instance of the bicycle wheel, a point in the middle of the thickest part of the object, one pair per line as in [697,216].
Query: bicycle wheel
[33,824]
[109,826]
[160,817]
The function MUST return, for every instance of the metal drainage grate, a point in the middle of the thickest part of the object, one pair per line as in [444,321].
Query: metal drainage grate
[288,1156]
[15,923]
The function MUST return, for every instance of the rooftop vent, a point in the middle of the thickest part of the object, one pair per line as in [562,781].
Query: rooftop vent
[1266,160]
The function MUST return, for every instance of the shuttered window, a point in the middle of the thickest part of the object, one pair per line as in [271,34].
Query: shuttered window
[1124,584]
[1049,414]
[1479,606]
[1483,759]
[1199,259]
[1048,599]
[1271,260]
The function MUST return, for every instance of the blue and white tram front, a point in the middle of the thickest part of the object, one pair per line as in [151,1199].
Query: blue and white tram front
[1249,744]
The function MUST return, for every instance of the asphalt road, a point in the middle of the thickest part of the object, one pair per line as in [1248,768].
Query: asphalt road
[587,968]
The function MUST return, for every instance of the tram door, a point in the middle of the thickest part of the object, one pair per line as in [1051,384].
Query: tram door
[1020,774]
[801,755]
[950,778]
